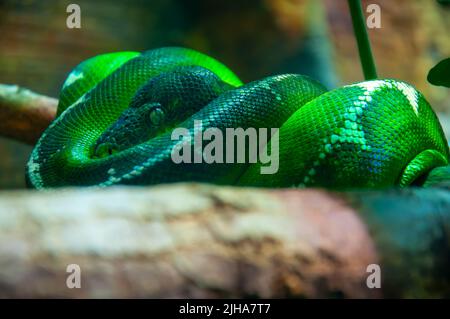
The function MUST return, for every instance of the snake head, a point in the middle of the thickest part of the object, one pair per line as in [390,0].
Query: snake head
[134,126]
[159,105]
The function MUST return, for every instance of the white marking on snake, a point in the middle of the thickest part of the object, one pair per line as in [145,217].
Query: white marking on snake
[80,100]
[34,167]
[369,86]
[74,76]
[407,90]
[411,94]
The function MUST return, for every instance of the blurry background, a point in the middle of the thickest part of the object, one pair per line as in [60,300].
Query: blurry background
[255,38]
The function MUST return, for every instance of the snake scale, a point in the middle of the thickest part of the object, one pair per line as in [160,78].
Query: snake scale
[117,111]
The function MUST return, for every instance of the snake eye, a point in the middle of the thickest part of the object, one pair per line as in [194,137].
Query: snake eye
[104,150]
[157,116]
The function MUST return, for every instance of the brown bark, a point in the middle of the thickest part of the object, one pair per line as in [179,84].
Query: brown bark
[182,241]
[191,240]
[24,115]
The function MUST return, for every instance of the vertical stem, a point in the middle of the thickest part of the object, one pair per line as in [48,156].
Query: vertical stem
[362,38]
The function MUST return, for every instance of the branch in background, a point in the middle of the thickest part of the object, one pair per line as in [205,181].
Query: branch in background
[209,241]
[24,115]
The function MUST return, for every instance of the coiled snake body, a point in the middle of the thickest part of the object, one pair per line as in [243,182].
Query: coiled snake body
[117,112]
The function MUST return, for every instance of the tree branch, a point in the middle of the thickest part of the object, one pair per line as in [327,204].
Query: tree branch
[24,115]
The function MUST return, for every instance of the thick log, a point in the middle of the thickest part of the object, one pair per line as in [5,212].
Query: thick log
[188,240]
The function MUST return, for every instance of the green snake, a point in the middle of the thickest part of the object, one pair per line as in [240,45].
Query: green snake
[117,112]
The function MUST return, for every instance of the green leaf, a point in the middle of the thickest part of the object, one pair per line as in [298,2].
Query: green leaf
[440,73]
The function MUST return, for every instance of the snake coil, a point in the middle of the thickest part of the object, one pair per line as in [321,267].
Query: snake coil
[117,112]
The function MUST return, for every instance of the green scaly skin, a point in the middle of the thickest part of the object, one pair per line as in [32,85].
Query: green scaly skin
[117,112]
